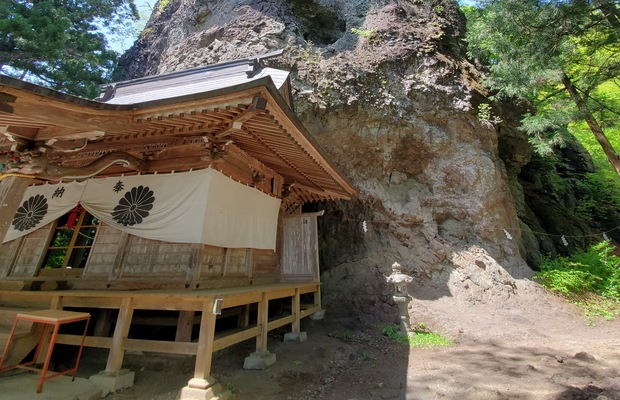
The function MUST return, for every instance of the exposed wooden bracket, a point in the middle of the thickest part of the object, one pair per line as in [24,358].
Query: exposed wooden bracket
[258,106]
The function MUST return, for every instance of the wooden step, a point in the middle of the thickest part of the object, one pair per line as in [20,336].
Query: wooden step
[25,337]
[7,317]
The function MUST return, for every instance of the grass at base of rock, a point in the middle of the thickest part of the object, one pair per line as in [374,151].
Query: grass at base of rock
[422,338]
[428,339]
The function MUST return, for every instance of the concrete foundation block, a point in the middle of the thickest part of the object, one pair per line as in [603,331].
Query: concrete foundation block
[295,337]
[259,360]
[113,381]
[213,392]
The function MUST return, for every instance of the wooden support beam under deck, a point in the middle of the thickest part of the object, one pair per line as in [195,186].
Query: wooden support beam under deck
[202,371]
[117,352]
[263,324]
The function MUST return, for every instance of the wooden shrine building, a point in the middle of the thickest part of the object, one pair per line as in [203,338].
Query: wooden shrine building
[171,200]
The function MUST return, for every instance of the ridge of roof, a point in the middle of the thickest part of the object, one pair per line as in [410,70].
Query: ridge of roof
[251,66]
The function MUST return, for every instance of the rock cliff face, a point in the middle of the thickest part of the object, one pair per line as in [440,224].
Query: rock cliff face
[385,89]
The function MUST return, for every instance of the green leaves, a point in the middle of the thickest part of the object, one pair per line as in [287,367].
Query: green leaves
[589,278]
[561,55]
[58,43]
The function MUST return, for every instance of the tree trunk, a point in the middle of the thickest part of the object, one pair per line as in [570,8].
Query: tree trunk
[596,129]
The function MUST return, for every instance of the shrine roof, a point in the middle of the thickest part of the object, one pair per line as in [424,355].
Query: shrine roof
[167,120]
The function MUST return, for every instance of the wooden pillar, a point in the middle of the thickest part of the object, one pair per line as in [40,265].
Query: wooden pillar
[244,316]
[116,271]
[12,190]
[295,309]
[103,324]
[123,322]
[185,325]
[204,354]
[317,296]
[262,321]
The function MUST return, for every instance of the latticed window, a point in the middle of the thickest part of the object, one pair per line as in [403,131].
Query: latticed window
[70,243]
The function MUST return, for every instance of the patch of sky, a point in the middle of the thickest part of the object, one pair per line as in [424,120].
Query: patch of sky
[122,36]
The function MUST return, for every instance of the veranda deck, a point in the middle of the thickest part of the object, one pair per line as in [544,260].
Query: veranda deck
[208,302]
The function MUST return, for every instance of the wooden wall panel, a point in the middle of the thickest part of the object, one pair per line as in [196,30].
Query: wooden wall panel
[265,263]
[145,257]
[8,252]
[292,254]
[212,261]
[32,251]
[236,262]
[104,250]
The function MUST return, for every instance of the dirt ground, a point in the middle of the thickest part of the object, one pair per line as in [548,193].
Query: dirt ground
[535,347]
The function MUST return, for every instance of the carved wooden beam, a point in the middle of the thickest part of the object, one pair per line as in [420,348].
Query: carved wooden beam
[39,166]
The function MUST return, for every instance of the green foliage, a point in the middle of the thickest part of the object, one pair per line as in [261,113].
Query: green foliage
[428,339]
[393,332]
[439,9]
[123,36]
[365,33]
[486,117]
[309,54]
[346,336]
[423,338]
[563,56]
[591,279]
[60,43]
[368,356]
[162,4]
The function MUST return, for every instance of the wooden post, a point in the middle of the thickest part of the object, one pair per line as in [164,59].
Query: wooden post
[244,316]
[116,271]
[12,189]
[295,308]
[205,346]
[123,322]
[184,326]
[262,321]
[317,297]
[195,266]
[103,324]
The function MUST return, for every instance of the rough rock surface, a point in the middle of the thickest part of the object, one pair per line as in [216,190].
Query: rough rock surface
[384,87]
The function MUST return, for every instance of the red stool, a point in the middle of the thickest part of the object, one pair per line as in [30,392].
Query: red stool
[50,318]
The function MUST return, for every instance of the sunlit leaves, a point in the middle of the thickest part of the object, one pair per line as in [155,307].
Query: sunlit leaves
[533,49]
[57,42]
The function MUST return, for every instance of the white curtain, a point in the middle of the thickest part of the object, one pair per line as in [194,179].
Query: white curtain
[190,207]
[43,204]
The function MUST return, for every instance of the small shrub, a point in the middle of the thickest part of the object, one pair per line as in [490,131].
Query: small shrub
[346,336]
[368,356]
[161,6]
[365,33]
[309,54]
[486,117]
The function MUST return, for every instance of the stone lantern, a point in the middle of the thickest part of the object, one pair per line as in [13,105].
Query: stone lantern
[401,296]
